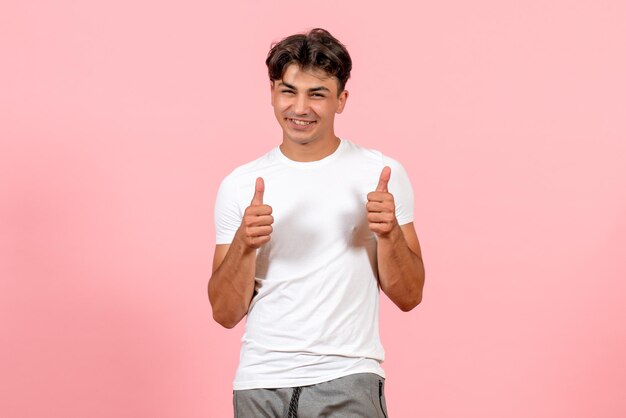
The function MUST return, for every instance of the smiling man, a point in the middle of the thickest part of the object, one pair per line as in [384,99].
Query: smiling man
[306,236]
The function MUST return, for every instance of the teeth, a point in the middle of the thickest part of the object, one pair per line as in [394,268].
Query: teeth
[301,122]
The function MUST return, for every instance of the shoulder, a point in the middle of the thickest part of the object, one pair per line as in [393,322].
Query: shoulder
[247,170]
[361,151]
[373,156]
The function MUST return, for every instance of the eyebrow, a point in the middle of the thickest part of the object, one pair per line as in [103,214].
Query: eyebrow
[311,90]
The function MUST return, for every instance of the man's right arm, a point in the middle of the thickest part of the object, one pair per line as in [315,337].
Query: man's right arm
[232,283]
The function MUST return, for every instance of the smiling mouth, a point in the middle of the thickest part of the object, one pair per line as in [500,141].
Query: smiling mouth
[301,122]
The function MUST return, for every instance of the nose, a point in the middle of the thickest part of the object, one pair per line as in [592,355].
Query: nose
[301,104]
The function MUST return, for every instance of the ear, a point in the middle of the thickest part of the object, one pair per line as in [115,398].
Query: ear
[272,92]
[343,98]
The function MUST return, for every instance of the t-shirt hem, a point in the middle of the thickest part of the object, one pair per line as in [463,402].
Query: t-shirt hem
[273,384]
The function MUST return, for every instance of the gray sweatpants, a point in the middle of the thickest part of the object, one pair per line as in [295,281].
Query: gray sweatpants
[356,395]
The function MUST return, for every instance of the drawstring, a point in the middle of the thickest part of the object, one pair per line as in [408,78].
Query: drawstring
[293,405]
[380,396]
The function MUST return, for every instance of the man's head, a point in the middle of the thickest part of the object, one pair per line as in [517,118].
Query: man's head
[308,74]
[315,50]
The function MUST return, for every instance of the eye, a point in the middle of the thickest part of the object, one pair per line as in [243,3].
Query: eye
[287,91]
[318,95]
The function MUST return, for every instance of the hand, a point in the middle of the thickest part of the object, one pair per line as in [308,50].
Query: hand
[256,225]
[381,208]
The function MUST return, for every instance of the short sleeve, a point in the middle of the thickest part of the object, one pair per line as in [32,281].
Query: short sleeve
[227,212]
[402,191]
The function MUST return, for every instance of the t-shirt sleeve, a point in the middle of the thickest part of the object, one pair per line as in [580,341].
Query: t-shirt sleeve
[227,212]
[402,191]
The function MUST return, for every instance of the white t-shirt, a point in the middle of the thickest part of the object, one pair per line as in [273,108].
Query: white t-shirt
[314,314]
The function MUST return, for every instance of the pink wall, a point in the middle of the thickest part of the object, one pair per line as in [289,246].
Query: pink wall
[118,120]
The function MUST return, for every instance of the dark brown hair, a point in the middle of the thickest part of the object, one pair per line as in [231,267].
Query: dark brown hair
[317,49]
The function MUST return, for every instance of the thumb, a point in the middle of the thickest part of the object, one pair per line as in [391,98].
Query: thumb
[385,175]
[259,188]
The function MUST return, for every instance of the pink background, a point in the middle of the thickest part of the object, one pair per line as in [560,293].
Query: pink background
[118,120]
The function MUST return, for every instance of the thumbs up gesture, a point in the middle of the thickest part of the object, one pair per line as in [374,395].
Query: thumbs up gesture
[256,225]
[381,208]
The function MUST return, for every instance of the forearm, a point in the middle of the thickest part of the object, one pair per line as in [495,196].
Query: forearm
[232,285]
[400,270]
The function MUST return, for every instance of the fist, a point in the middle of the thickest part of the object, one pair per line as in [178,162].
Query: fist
[381,208]
[256,225]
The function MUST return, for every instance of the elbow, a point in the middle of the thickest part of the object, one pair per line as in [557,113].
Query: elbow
[225,315]
[409,304]
[226,321]
[222,316]
[414,296]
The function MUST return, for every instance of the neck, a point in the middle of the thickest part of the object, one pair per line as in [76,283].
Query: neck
[310,151]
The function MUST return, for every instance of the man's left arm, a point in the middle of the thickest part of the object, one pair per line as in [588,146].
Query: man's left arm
[400,267]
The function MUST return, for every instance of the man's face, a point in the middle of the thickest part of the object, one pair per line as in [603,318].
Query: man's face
[305,103]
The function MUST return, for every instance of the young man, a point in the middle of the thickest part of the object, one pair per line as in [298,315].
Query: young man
[306,236]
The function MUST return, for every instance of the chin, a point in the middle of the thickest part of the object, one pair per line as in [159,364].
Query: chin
[301,141]
[300,138]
